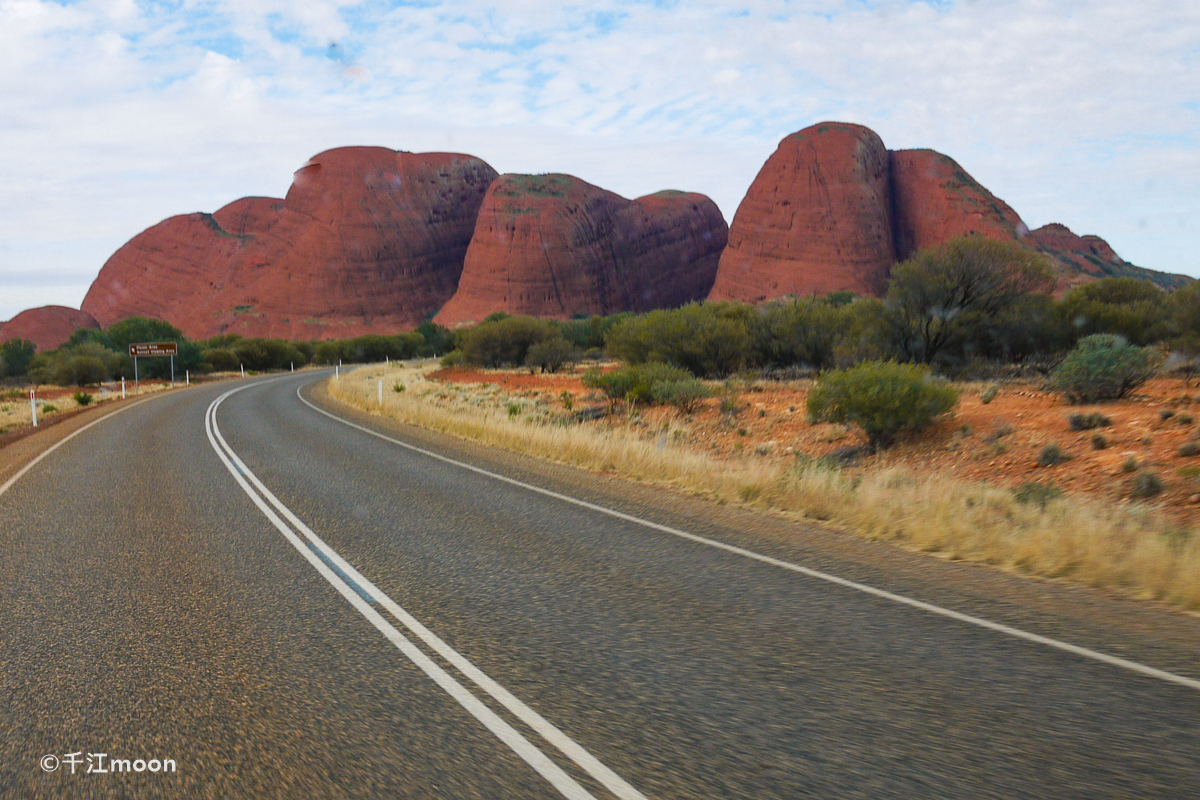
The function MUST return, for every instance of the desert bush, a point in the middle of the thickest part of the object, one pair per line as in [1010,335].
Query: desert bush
[798,332]
[708,340]
[82,399]
[1189,449]
[988,395]
[83,364]
[634,382]
[15,355]
[1099,442]
[454,358]
[1087,422]
[1036,493]
[1052,455]
[505,341]
[221,359]
[881,397]
[1145,484]
[1103,367]
[551,355]
[1128,307]
[686,395]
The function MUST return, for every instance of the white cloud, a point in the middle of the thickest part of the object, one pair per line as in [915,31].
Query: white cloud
[117,114]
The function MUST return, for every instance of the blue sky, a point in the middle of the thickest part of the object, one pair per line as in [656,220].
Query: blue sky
[118,113]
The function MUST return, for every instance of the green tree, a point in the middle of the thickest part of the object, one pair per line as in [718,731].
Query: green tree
[881,397]
[943,298]
[1128,307]
[799,332]
[15,355]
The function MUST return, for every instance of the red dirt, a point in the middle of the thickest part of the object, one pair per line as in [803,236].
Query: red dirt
[965,446]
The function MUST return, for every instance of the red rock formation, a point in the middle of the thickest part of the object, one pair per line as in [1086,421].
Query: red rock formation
[367,240]
[555,246]
[935,200]
[47,327]
[817,219]
[1081,259]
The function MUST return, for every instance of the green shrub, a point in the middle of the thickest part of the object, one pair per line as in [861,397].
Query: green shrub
[708,340]
[988,395]
[398,387]
[567,399]
[686,395]
[1130,464]
[454,358]
[220,359]
[1086,422]
[83,399]
[1145,484]
[1052,455]
[49,408]
[1190,449]
[505,341]
[1103,367]
[881,397]
[634,382]
[15,355]
[1098,441]
[1036,493]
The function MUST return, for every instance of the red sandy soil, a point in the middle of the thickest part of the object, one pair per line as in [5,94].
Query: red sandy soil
[772,424]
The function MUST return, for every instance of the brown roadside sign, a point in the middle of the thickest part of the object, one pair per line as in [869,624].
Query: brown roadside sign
[152,349]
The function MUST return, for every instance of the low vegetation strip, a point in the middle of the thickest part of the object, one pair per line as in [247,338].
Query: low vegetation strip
[1131,547]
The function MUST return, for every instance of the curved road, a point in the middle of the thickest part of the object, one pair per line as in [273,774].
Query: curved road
[250,598]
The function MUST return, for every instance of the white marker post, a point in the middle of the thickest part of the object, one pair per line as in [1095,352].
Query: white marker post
[242,367]
[172,372]
[33,406]
[187,376]
[122,387]
[337,371]
[293,363]
[137,386]
[381,393]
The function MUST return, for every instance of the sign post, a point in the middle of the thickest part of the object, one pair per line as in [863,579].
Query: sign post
[152,350]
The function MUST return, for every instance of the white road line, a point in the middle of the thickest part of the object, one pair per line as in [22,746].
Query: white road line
[1017,633]
[355,588]
[8,483]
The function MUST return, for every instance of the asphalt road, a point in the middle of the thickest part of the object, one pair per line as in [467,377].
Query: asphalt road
[286,606]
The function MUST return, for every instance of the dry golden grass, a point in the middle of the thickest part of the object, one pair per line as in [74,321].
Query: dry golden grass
[1131,547]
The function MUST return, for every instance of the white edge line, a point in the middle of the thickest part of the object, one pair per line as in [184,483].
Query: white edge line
[565,784]
[552,734]
[8,483]
[1017,633]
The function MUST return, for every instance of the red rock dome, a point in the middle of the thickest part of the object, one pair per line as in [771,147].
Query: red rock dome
[368,240]
[817,219]
[48,327]
[556,246]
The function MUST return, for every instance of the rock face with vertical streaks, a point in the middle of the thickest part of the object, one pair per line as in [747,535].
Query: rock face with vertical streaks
[817,219]
[555,246]
[368,240]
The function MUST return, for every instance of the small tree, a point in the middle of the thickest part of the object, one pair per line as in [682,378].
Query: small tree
[881,397]
[1103,367]
[943,298]
[551,355]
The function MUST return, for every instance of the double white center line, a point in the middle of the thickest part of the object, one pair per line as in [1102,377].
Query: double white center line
[366,598]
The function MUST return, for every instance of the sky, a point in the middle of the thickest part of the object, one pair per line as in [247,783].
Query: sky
[115,114]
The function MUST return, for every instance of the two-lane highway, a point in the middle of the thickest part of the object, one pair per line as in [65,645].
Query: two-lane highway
[288,606]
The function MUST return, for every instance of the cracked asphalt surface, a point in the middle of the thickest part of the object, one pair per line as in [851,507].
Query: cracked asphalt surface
[148,609]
